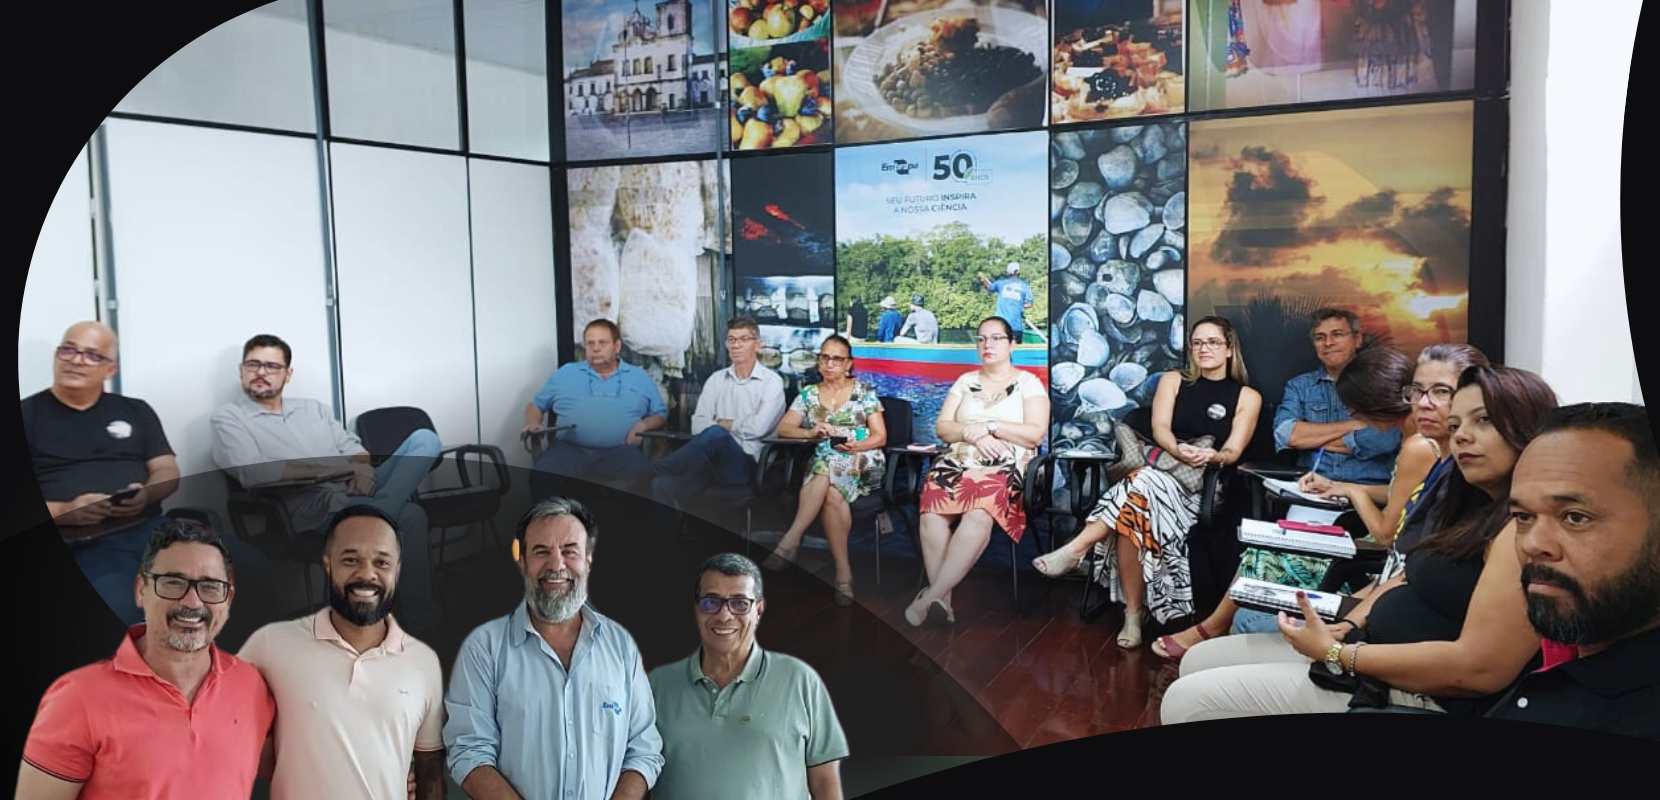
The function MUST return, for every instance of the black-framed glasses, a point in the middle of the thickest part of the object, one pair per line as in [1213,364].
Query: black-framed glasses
[175,587]
[1440,393]
[70,353]
[262,366]
[837,360]
[739,606]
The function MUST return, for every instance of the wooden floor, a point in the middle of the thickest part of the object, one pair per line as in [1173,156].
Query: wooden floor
[1044,675]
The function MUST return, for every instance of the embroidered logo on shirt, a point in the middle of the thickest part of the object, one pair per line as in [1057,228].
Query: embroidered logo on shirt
[119,429]
[611,706]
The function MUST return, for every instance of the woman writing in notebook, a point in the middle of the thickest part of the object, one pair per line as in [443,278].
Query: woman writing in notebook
[1142,520]
[1382,388]
[1449,634]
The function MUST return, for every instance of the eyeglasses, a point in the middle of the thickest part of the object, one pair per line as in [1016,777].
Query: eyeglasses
[1209,344]
[739,339]
[996,337]
[175,587]
[1320,338]
[837,360]
[712,605]
[1440,393]
[262,367]
[93,357]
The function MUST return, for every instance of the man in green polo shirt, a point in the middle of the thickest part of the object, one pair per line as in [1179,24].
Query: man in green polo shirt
[738,722]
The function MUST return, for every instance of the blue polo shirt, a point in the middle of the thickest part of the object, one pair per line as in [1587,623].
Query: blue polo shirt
[1013,295]
[1312,397]
[602,409]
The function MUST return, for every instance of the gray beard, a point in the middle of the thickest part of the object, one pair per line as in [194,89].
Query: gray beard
[555,608]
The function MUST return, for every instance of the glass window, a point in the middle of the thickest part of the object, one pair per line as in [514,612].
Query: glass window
[507,78]
[391,71]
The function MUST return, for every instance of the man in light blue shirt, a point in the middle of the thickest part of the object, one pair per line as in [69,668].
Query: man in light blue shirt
[923,321]
[739,406]
[1311,419]
[551,702]
[1014,296]
[610,401]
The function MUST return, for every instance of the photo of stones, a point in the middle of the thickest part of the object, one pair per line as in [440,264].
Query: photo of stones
[804,302]
[791,351]
[1366,209]
[1117,280]
[784,215]
[649,251]
[914,68]
[1273,52]
[1115,59]
[641,80]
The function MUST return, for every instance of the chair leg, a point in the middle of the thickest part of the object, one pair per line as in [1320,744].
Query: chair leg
[1014,571]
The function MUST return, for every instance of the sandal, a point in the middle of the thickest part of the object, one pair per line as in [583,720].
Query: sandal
[1129,637]
[1058,563]
[940,614]
[915,613]
[1167,647]
[844,593]
[780,560]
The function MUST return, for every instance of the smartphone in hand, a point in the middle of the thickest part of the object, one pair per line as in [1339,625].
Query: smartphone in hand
[123,494]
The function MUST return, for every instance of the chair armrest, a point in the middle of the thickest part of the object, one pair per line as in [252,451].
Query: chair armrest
[1039,483]
[279,526]
[482,453]
[536,441]
[1207,496]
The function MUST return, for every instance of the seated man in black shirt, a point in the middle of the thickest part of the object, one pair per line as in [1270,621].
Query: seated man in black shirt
[1586,503]
[102,460]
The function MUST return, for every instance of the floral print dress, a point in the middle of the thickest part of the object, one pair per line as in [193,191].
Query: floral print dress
[853,474]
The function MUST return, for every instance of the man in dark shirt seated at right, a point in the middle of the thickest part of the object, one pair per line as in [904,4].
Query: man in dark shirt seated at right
[1586,503]
[90,448]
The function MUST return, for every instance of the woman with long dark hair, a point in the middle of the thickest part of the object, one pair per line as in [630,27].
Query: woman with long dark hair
[1448,634]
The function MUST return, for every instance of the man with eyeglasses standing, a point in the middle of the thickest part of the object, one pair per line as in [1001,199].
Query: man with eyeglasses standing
[170,715]
[266,438]
[609,401]
[359,701]
[739,406]
[551,702]
[102,461]
[738,722]
[1312,420]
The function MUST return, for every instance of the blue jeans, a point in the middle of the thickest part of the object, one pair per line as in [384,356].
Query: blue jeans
[711,458]
[395,482]
[1250,620]
[112,563]
[623,464]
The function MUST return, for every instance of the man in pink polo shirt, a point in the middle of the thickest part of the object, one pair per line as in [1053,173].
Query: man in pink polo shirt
[170,717]
[358,700]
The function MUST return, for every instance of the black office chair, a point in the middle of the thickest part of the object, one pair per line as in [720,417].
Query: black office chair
[476,500]
[277,538]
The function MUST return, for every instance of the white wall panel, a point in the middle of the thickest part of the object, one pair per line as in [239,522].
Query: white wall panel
[61,288]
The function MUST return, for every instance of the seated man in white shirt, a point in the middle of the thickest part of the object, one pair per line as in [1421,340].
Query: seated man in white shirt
[739,406]
[266,438]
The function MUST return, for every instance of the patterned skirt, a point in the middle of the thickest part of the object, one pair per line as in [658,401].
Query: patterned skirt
[1151,512]
[998,490]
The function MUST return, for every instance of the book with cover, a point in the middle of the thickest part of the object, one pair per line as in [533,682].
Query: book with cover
[1275,597]
[1259,533]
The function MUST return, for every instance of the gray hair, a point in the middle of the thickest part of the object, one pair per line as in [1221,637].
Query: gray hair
[175,531]
[731,565]
[559,507]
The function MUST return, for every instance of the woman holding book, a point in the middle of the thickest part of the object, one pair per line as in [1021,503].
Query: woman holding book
[1384,389]
[1147,514]
[1448,634]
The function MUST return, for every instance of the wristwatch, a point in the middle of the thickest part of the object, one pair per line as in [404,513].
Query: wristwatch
[1333,655]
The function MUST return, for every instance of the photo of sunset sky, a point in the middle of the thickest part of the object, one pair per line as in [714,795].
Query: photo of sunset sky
[1366,209]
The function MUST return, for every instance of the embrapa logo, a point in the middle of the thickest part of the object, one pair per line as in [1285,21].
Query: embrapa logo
[900,165]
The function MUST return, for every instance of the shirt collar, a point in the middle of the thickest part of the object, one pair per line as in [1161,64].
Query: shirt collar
[622,367]
[322,626]
[1624,666]
[751,671]
[254,409]
[731,372]
[128,660]
[520,621]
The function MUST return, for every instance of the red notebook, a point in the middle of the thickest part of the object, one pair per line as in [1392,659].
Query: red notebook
[1308,527]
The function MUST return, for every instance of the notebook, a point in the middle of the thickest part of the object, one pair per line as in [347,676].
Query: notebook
[1260,533]
[1274,597]
[1289,489]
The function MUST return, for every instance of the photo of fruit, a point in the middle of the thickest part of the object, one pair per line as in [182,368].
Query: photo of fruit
[1116,59]
[779,96]
[753,23]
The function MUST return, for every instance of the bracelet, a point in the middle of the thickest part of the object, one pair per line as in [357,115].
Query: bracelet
[1354,658]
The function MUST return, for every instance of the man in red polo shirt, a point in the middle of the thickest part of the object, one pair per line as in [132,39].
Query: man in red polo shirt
[170,716]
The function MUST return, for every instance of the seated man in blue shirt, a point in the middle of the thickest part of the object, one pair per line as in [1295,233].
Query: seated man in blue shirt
[552,701]
[610,401]
[1311,419]
[740,405]
[887,328]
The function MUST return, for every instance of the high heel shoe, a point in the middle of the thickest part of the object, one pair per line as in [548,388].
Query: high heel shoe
[1129,637]
[1058,563]
[917,613]
[780,560]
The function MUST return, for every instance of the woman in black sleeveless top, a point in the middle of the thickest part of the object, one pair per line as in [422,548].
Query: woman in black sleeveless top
[1149,511]
[1449,634]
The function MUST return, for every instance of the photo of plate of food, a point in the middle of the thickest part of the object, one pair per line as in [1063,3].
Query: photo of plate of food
[958,69]
[1116,70]
[758,23]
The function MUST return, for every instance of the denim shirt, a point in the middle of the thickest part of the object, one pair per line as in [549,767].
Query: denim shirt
[1312,397]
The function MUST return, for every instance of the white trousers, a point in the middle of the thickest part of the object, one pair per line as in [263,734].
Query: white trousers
[1252,675]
